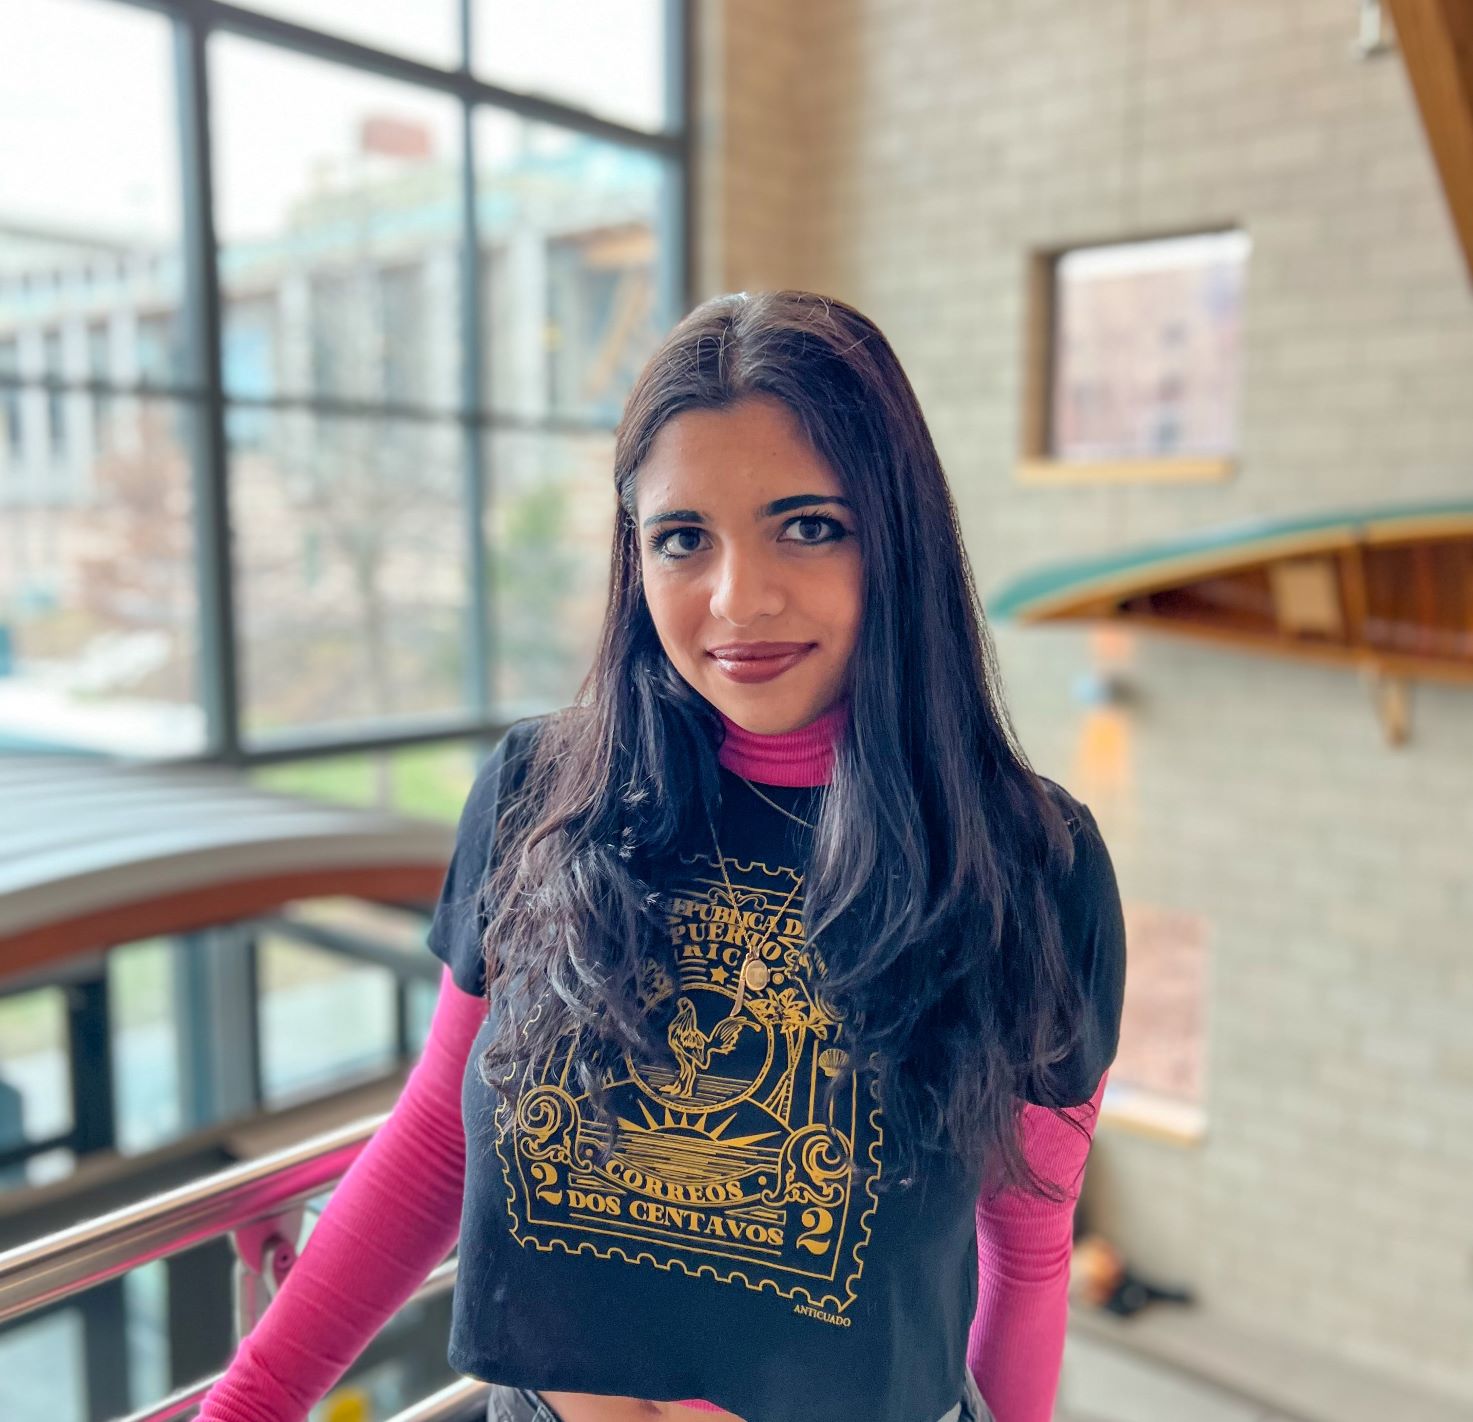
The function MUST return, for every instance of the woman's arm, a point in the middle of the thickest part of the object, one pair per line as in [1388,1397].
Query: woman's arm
[394,1216]
[1024,1244]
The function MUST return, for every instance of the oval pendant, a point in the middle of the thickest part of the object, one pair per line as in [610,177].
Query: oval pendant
[754,973]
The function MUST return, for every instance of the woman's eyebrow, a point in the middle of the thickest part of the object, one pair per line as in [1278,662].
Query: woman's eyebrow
[777,506]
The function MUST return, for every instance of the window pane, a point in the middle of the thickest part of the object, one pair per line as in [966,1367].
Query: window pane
[89,201]
[339,217]
[98,606]
[352,588]
[608,57]
[430,781]
[45,1368]
[549,530]
[573,260]
[1148,348]
[35,1077]
[146,1304]
[144,1016]
[427,29]
[422,1000]
[324,1020]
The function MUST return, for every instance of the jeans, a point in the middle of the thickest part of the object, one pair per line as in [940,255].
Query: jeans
[521,1404]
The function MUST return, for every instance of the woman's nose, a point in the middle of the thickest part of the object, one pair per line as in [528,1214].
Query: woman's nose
[747,588]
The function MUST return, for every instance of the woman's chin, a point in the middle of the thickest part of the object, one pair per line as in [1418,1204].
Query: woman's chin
[759,710]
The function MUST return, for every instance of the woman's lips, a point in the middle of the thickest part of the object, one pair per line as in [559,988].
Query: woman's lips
[746,668]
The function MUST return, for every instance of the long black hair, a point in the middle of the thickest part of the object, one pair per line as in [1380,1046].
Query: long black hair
[925,892]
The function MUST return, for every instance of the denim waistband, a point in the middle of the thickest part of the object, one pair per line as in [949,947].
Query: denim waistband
[522,1404]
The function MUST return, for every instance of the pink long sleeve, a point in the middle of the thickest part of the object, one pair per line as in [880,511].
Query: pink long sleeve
[394,1216]
[1016,1346]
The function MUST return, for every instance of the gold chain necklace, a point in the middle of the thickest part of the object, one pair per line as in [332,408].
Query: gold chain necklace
[769,800]
[753,973]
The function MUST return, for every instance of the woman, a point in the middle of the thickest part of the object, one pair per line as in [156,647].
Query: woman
[779,991]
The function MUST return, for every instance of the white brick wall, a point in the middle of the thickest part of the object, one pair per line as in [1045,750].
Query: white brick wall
[906,156]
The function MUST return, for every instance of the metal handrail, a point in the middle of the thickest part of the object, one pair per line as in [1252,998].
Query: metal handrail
[73,1260]
[447,1405]
[453,1398]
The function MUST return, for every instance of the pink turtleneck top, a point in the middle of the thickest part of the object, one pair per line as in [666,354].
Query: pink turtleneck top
[396,1213]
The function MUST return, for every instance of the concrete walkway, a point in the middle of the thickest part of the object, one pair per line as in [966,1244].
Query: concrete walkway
[1173,1364]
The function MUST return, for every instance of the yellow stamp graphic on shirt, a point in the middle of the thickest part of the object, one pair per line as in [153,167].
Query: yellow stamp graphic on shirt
[727,1163]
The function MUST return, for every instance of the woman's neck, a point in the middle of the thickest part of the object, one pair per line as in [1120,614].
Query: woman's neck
[804,756]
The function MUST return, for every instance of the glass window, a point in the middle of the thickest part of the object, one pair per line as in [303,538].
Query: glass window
[609,57]
[99,369]
[44,1367]
[548,533]
[572,261]
[250,354]
[35,1078]
[56,400]
[146,1310]
[352,588]
[98,605]
[326,177]
[11,437]
[159,357]
[143,1020]
[90,185]
[402,350]
[422,1000]
[1148,348]
[339,316]
[339,214]
[427,30]
[429,781]
[325,1020]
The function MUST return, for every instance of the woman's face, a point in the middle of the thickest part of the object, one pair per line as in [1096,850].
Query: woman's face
[746,542]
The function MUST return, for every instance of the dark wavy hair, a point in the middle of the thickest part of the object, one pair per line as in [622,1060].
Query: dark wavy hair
[926,891]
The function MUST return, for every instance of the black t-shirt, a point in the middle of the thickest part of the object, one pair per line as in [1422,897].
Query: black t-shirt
[723,1253]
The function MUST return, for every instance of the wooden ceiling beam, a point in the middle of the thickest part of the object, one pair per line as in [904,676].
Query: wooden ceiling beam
[1436,41]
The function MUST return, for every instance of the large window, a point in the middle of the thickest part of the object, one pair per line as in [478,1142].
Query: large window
[1133,361]
[316,318]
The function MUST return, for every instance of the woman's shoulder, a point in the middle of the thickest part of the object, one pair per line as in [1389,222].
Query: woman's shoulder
[1090,874]
[504,769]
[1092,935]
[1075,812]
[521,737]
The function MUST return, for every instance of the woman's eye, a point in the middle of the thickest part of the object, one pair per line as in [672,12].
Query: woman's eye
[816,529]
[821,524]
[660,543]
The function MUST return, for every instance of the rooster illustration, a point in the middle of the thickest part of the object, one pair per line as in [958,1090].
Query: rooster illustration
[693,1048]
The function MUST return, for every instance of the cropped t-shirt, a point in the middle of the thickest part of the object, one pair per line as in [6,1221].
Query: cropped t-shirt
[724,1253]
